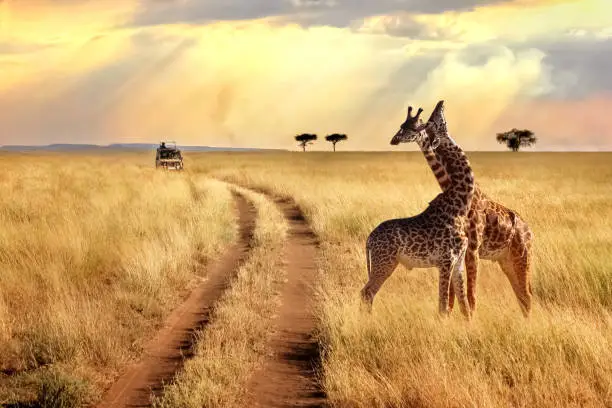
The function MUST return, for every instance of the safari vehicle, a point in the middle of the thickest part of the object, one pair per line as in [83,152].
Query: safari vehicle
[168,156]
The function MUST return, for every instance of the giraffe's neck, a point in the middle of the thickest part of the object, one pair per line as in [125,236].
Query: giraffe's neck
[455,175]
[434,162]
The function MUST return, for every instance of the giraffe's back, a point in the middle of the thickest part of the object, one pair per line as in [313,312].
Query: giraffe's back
[418,241]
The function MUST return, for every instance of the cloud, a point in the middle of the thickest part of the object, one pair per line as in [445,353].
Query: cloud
[336,13]
[70,104]
[254,86]
[205,11]
[260,84]
[8,48]
[494,22]
[41,36]
[579,68]
[299,67]
[60,21]
[477,92]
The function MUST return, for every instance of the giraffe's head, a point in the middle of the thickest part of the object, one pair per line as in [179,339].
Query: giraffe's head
[411,130]
[437,121]
[428,134]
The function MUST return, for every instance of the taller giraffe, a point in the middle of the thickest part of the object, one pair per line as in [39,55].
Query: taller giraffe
[494,232]
[436,237]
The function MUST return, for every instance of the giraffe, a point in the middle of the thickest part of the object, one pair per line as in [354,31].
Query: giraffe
[494,232]
[435,237]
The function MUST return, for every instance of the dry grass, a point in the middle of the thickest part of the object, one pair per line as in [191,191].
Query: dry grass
[94,253]
[229,349]
[76,269]
[402,355]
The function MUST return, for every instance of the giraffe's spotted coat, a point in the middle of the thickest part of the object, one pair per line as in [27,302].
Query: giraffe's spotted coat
[494,232]
[436,237]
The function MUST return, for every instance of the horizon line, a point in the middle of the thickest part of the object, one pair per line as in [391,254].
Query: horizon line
[141,146]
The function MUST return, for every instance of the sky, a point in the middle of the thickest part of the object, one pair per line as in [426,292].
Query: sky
[254,73]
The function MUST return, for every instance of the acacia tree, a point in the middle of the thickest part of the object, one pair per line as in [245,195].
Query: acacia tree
[335,138]
[515,139]
[305,139]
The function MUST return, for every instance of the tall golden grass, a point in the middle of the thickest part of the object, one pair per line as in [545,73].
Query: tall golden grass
[95,251]
[90,262]
[402,354]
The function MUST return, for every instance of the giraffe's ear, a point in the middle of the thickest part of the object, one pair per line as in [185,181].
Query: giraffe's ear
[423,126]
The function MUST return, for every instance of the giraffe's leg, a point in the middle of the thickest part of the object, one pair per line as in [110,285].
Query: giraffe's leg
[507,266]
[522,267]
[518,272]
[445,268]
[471,267]
[381,267]
[451,298]
[517,266]
[457,277]
[472,258]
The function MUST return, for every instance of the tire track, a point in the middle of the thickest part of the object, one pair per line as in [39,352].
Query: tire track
[288,378]
[164,354]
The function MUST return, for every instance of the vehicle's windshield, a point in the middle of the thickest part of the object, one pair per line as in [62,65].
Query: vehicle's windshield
[169,154]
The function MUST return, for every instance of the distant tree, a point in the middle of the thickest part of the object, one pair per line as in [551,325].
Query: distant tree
[335,138]
[515,139]
[305,139]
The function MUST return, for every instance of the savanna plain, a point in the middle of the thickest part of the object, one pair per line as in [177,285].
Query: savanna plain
[96,249]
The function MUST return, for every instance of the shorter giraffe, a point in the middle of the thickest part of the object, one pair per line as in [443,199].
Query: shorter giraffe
[495,233]
[436,237]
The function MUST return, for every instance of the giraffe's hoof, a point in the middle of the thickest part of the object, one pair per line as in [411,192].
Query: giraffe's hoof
[443,315]
[365,304]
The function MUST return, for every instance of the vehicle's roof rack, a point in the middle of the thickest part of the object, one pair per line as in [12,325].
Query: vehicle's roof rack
[169,144]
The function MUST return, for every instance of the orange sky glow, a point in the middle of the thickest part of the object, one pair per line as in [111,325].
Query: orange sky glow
[253,73]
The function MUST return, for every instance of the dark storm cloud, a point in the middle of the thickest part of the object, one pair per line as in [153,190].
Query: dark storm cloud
[338,13]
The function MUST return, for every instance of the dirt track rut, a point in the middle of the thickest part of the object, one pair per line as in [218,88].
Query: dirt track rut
[164,354]
[288,377]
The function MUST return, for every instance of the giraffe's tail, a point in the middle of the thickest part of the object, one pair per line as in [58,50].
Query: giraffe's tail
[366,297]
[369,257]
[513,218]
[369,260]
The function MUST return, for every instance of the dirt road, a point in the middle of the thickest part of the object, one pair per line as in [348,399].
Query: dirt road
[165,353]
[288,377]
